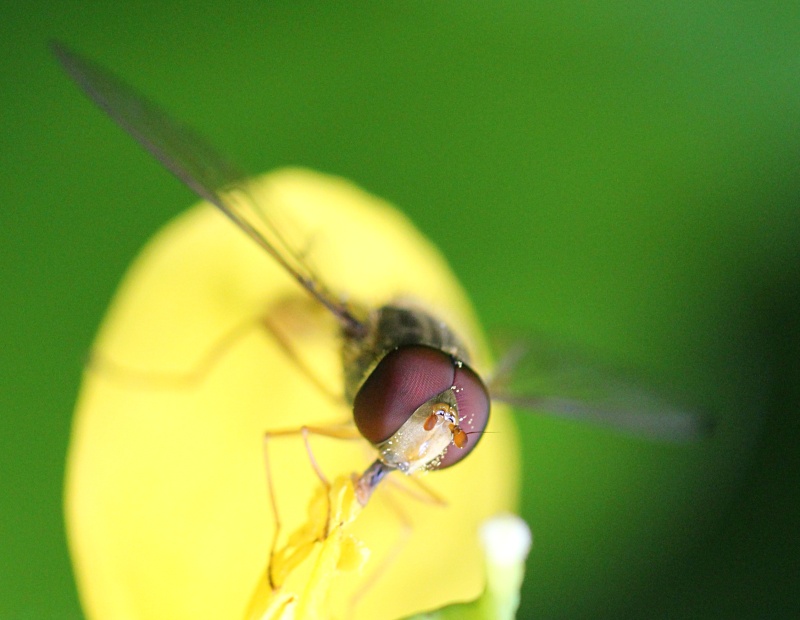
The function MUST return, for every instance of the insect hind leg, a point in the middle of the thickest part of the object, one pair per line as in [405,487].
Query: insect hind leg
[187,378]
[269,323]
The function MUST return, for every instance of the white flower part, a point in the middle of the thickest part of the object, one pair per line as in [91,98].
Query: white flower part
[506,540]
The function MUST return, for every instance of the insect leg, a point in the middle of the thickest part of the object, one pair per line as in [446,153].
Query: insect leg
[423,494]
[284,343]
[182,379]
[199,370]
[337,431]
[406,527]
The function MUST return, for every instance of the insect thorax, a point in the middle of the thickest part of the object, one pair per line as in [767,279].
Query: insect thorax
[390,327]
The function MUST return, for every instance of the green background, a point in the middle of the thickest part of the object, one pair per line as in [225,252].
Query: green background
[623,176]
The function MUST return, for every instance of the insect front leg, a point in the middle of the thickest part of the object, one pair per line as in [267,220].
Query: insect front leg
[281,561]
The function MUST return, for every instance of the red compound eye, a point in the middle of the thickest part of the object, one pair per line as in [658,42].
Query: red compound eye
[403,380]
[473,412]
[407,378]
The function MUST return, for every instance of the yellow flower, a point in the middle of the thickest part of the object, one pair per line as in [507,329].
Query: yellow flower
[167,502]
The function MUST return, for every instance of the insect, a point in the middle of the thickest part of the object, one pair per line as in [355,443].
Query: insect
[408,375]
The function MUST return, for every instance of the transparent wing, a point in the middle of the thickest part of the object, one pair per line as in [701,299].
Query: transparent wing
[190,158]
[561,382]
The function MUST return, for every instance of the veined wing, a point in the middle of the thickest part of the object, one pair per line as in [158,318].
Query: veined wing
[561,383]
[190,158]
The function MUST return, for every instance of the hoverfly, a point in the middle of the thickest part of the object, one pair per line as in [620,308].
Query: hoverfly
[408,376]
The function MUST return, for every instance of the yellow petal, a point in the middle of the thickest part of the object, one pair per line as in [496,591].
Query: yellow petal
[167,506]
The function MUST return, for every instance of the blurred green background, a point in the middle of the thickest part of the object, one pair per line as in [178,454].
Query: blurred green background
[622,175]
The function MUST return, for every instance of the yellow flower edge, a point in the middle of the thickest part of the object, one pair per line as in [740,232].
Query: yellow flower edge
[167,506]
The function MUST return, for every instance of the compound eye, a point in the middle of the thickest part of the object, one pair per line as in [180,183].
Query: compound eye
[473,413]
[404,380]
